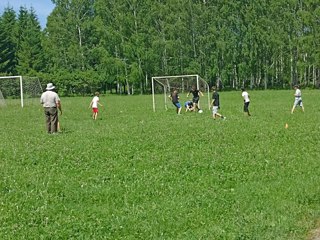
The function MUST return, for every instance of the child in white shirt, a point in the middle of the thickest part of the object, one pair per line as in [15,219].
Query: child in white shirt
[94,105]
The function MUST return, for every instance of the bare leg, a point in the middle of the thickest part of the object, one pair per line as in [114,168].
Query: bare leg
[219,115]
[195,107]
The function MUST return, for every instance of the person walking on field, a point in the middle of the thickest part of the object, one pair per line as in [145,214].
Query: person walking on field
[94,105]
[246,102]
[51,103]
[297,99]
[216,104]
[196,97]
[174,97]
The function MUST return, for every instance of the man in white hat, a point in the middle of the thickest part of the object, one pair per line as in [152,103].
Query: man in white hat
[51,103]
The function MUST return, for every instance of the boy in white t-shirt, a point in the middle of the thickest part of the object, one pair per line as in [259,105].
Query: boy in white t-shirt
[297,99]
[94,105]
[246,101]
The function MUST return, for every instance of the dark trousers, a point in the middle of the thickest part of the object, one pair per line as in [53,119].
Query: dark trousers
[51,119]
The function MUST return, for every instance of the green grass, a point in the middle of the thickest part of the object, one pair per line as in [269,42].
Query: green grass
[136,174]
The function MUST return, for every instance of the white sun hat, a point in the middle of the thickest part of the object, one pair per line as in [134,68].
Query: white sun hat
[50,86]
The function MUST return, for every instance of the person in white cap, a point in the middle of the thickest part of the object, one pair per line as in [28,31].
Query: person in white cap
[51,103]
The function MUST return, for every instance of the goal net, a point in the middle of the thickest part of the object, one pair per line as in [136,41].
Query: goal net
[19,90]
[2,101]
[162,86]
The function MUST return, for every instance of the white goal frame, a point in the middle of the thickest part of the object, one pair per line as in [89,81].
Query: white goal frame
[20,85]
[2,101]
[156,80]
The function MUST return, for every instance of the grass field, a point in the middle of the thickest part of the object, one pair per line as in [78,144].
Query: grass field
[136,174]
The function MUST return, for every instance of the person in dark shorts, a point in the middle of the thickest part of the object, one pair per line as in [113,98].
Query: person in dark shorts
[246,102]
[174,97]
[216,104]
[196,97]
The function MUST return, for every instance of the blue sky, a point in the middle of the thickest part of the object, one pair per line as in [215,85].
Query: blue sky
[43,8]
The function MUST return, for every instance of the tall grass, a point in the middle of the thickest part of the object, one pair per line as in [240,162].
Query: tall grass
[136,174]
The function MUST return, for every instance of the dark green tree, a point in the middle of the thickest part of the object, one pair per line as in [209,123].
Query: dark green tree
[8,42]
[29,53]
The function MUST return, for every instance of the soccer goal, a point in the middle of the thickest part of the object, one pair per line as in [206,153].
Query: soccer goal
[183,83]
[19,90]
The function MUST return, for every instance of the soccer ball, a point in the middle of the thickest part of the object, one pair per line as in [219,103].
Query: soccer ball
[200,111]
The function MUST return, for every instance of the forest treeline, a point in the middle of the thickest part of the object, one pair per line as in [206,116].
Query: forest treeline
[121,44]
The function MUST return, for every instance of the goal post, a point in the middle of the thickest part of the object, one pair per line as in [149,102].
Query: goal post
[183,83]
[2,101]
[20,87]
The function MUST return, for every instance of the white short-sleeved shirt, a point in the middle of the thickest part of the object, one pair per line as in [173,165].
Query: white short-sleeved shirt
[245,96]
[298,93]
[95,101]
[49,99]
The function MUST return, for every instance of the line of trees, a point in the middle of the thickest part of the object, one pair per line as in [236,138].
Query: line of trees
[121,44]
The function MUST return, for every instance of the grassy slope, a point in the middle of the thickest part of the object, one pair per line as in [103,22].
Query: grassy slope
[135,174]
